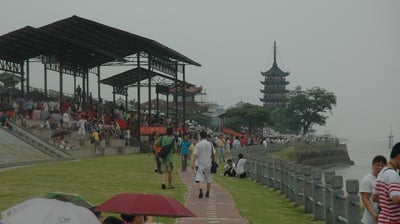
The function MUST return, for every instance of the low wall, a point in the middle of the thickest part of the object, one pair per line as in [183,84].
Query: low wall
[323,155]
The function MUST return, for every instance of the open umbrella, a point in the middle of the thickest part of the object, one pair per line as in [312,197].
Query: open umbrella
[73,198]
[48,211]
[146,205]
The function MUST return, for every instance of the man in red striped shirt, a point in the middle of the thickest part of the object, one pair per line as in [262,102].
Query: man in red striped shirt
[387,189]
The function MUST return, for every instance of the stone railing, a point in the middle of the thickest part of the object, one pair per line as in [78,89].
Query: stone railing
[320,193]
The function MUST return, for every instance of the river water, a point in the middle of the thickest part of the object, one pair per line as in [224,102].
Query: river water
[362,153]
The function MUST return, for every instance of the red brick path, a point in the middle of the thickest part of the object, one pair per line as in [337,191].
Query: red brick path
[218,208]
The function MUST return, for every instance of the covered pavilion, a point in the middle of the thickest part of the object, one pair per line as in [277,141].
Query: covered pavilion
[80,47]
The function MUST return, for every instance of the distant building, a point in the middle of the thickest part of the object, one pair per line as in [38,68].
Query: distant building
[274,92]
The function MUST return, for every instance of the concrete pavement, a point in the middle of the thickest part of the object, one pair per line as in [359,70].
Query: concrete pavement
[219,208]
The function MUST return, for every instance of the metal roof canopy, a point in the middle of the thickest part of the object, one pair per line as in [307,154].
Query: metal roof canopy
[119,42]
[127,78]
[79,41]
[29,42]
[130,77]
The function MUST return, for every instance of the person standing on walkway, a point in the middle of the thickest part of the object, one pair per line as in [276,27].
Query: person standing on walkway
[202,156]
[387,189]
[221,148]
[184,146]
[167,164]
[367,186]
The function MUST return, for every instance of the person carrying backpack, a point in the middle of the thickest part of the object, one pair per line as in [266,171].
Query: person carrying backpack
[167,161]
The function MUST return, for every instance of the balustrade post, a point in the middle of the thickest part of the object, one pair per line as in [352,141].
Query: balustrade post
[270,171]
[277,171]
[318,195]
[328,197]
[338,200]
[308,189]
[292,176]
[284,176]
[299,196]
[259,172]
[353,202]
[264,174]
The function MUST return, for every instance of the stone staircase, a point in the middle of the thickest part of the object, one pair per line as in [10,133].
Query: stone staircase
[31,143]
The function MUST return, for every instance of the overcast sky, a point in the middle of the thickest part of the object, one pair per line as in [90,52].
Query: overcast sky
[348,47]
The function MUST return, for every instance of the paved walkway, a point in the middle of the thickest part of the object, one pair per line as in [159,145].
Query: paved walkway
[218,208]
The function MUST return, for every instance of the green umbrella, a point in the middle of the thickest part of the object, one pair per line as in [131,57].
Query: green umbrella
[73,198]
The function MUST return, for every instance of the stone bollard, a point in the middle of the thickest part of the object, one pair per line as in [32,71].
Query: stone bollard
[277,172]
[318,195]
[353,202]
[247,167]
[299,196]
[270,172]
[253,167]
[259,172]
[264,176]
[328,197]
[284,176]
[338,199]
[308,188]
[291,182]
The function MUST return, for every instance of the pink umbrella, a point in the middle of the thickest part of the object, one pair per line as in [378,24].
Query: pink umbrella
[146,205]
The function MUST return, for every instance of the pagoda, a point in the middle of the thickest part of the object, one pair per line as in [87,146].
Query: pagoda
[274,92]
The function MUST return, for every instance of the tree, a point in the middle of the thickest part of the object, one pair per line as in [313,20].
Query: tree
[305,108]
[248,115]
[197,116]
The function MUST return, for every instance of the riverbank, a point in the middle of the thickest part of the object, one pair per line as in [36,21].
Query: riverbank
[323,156]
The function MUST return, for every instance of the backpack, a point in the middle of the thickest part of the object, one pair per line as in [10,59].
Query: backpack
[165,150]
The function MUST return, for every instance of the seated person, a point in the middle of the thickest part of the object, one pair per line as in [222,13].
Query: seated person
[241,173]
[5,122]
[230,168]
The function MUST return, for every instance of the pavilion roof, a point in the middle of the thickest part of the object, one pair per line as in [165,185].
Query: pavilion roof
[79,41]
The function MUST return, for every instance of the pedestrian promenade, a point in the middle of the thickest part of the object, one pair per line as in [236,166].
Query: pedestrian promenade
[218,208]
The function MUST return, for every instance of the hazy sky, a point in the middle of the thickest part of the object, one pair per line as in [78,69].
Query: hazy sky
[351,48]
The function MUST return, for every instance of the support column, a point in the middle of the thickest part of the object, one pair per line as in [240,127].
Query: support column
[149,91]
[139,117]
[184,99]
[98,85]
[83,100]
[45,81]
[176,96]
[27,77]
[61,83]
[22,79]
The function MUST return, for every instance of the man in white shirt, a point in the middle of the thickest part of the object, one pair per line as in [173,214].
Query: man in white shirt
[65,120]
[202,157]
[241,173]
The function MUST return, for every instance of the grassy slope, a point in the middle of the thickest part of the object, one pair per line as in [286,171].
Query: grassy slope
[99,178]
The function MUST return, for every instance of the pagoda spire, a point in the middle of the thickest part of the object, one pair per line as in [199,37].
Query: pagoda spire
[274,53]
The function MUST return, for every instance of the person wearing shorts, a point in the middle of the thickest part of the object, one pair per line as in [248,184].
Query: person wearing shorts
[201,163]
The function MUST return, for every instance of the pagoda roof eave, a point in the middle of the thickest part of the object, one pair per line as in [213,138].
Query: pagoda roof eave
[275,71]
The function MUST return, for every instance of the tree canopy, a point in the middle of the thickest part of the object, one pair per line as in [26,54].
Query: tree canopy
[305,108]
[246,116]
